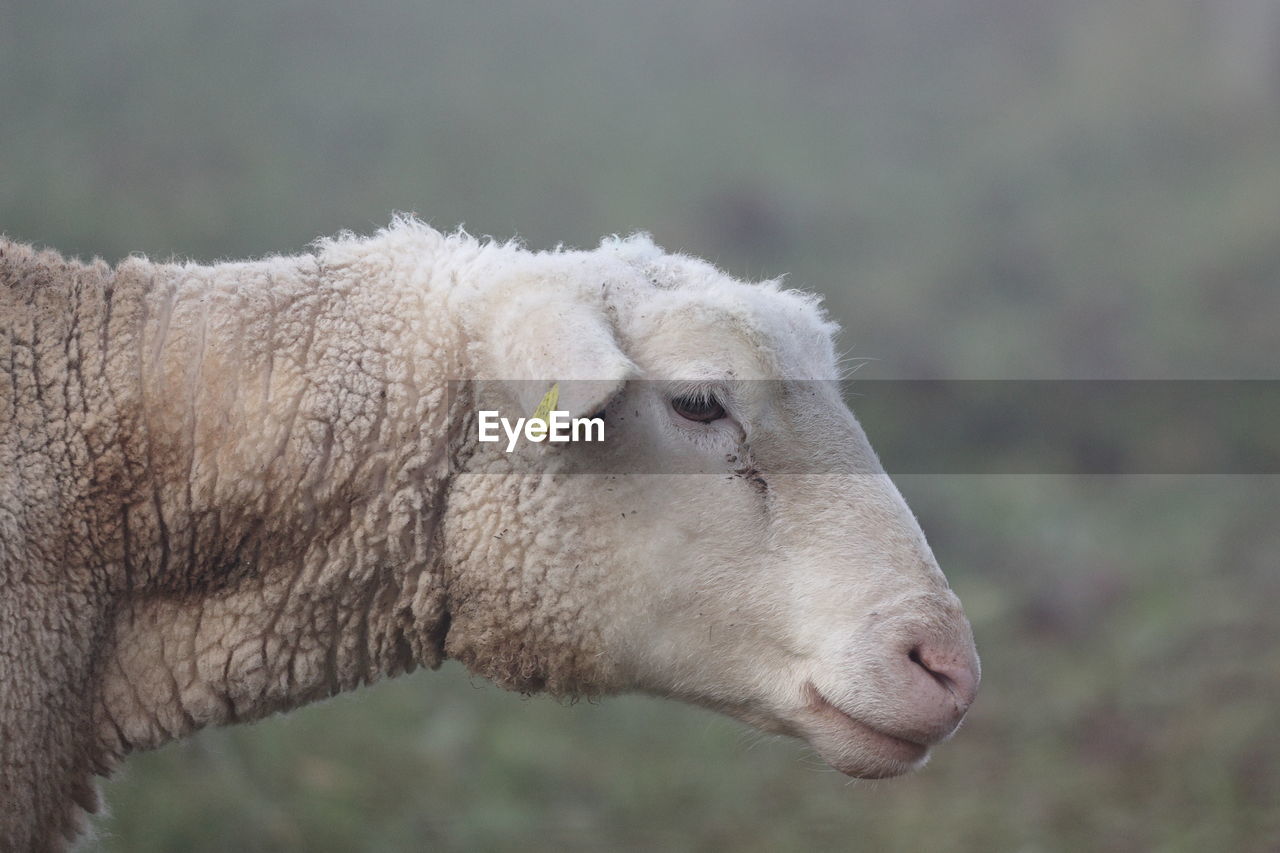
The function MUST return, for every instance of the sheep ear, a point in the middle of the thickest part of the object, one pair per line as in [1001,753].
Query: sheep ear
[539,340]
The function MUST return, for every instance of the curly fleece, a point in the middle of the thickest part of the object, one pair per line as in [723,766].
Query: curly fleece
[223,493]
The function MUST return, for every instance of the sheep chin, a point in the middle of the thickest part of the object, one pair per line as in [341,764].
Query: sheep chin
[854,747]
[847,744]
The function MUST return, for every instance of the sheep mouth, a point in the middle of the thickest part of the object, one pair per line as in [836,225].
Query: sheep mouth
[854,747]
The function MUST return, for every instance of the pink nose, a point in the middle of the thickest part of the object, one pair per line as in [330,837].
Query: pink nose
[953,670]
[938,682]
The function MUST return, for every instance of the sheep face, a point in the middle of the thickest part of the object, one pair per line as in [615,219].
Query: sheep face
[798,598]
[734,543]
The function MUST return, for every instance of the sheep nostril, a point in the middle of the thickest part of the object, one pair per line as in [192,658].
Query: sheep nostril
[916,658]
[951,671]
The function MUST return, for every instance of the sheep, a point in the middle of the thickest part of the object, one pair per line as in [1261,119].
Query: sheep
[231,490]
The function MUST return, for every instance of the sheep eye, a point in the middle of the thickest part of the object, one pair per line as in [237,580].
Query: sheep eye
[701,409]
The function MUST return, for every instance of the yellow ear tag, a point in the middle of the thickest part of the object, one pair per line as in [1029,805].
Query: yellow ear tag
[549,400]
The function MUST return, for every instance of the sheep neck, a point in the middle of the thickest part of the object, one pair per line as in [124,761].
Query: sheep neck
[279,481]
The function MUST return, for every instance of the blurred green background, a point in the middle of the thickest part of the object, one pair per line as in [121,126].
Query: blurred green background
[982,188]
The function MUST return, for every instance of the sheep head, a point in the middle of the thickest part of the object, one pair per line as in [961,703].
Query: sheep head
[734,542]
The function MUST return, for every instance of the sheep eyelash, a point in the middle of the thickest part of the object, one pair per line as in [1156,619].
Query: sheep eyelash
[700,392]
